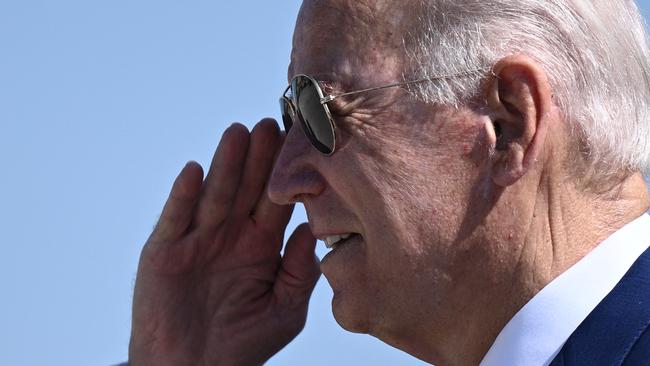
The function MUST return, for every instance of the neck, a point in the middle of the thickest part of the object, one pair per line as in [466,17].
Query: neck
[564,225]
[551,234]
[568,223]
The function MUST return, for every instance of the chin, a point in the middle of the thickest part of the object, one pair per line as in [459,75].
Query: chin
[350,314]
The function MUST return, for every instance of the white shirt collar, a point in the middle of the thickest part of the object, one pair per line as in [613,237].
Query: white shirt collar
[536,334]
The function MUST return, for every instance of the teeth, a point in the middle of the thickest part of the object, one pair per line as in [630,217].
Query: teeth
[330,241]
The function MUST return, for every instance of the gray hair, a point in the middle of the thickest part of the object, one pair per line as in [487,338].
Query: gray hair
[595,53]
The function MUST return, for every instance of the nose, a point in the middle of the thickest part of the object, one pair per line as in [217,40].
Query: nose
[295,175]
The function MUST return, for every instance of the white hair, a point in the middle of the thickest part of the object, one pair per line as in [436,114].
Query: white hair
[595,53]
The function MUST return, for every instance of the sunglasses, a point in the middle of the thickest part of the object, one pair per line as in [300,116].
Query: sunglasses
[307,104]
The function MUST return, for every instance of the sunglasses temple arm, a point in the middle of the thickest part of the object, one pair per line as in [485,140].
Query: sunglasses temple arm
[329,98]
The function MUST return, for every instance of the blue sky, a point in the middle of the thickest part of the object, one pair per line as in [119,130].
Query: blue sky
[101,104]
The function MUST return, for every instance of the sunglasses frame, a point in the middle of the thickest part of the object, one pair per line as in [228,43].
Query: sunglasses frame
[290,103]
[295,113]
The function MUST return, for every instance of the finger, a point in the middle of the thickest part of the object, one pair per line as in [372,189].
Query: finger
[179,209]
[269,215]
[272,217]
[299,270]
[222,182]
[264,143]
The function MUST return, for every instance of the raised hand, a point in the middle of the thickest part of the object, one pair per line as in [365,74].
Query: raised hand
[212,287]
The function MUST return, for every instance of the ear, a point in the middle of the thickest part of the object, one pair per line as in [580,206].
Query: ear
[519,101]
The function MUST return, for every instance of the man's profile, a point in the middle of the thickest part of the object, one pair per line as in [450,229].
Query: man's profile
[474,166]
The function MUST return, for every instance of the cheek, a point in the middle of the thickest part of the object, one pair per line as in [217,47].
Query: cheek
[421,216]
[417,203]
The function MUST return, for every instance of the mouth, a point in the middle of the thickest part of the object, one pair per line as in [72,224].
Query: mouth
[335,241]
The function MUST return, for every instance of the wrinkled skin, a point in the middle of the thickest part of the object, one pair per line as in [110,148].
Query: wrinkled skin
[212,288]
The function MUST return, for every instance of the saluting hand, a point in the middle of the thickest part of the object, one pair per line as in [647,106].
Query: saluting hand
[212,287]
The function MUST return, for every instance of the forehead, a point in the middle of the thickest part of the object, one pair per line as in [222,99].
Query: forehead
[351,42]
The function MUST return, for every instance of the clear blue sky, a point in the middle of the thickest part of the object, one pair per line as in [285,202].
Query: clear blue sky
[101,103]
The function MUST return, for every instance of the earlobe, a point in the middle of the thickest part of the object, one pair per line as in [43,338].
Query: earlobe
[519,100]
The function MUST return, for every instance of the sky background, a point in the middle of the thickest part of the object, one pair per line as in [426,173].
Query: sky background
[101,104]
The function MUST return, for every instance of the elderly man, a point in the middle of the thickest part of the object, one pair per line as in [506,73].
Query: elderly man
[475,167]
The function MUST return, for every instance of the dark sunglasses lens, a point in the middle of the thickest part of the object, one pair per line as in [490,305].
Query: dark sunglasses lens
[285,108]
[317,125]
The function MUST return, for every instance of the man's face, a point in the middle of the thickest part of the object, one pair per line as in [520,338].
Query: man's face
[401,178]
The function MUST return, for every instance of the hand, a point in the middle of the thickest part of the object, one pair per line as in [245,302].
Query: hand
[212,287]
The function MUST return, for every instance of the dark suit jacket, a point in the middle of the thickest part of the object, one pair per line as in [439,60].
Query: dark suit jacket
[617,331]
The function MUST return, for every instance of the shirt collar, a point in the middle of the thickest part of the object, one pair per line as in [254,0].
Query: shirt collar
[538,331]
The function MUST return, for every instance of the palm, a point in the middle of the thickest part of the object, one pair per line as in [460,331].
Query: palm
[212,287]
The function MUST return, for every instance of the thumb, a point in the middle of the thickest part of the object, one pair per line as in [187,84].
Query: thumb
[300,269]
